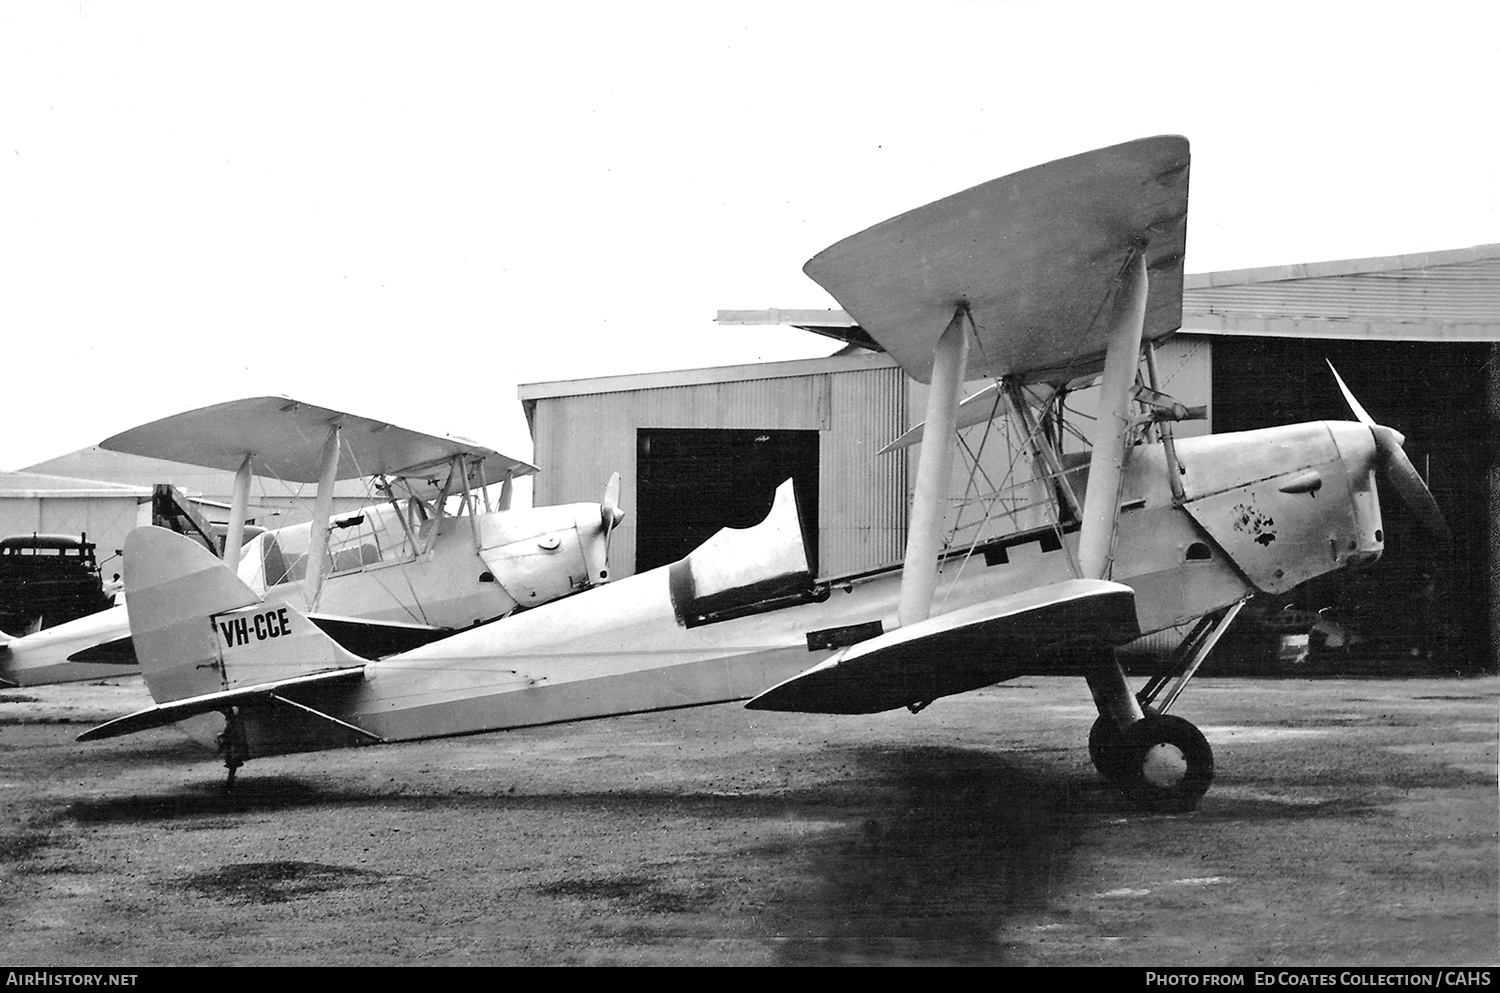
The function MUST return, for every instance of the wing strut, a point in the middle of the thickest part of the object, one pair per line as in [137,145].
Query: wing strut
[1101,501]
[239,506]
[924,539]
[322,511]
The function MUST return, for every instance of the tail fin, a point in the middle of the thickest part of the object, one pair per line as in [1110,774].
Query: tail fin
[198,629]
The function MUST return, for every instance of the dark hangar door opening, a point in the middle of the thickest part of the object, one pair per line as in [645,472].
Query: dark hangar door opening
[1416,600]
[690,482]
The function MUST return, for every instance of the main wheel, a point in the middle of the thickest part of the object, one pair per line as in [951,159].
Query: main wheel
[1171,763]
[1108,751]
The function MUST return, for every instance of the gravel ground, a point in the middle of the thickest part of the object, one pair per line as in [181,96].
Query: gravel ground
[1351,822]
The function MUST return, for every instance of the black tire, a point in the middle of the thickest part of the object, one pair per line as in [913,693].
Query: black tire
[1171,764]
[1108,752]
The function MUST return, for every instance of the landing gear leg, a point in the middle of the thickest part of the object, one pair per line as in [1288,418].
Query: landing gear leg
[232,745]
[1118,709]
[1107,751]
[1160,761]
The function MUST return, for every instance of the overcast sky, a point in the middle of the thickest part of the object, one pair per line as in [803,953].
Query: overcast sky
[405,210]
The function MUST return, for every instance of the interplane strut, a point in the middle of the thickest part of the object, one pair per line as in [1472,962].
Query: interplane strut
[925,534]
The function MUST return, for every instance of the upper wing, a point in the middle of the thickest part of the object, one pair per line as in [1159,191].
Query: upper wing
[959,651]
[287,437]
[1034,255]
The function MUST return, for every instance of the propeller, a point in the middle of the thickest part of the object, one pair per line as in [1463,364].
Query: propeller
[610,514]
[1398,468]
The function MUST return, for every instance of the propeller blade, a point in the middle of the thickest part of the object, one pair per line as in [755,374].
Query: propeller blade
[610,514]
[609,508]
[1360,414]
[1408,482]
[1397,468]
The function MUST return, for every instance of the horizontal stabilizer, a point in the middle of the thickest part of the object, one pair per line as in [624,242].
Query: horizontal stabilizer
[1034,257]
[180,710]
[959,651]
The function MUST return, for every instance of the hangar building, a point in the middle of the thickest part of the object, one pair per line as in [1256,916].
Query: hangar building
[1413,336]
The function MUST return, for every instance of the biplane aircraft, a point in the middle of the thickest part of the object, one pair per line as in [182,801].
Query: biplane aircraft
[1041,281]
[394,575]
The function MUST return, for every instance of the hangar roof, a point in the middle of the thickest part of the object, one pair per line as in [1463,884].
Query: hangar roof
[32,485]
[1433,296]
[842,362]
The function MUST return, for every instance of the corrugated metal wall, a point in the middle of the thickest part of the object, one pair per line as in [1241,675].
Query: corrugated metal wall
[581,439]
[863,495]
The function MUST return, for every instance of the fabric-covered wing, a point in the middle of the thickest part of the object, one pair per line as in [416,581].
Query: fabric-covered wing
[1034,255]
[959,651]
[287,436]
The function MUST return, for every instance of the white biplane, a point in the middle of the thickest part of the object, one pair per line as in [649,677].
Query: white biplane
[1041,281]
[395,574]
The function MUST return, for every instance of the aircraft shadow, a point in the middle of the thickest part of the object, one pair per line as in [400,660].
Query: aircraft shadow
[956,842]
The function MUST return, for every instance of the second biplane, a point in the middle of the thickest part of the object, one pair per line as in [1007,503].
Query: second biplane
[436,554]
[1041,281]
